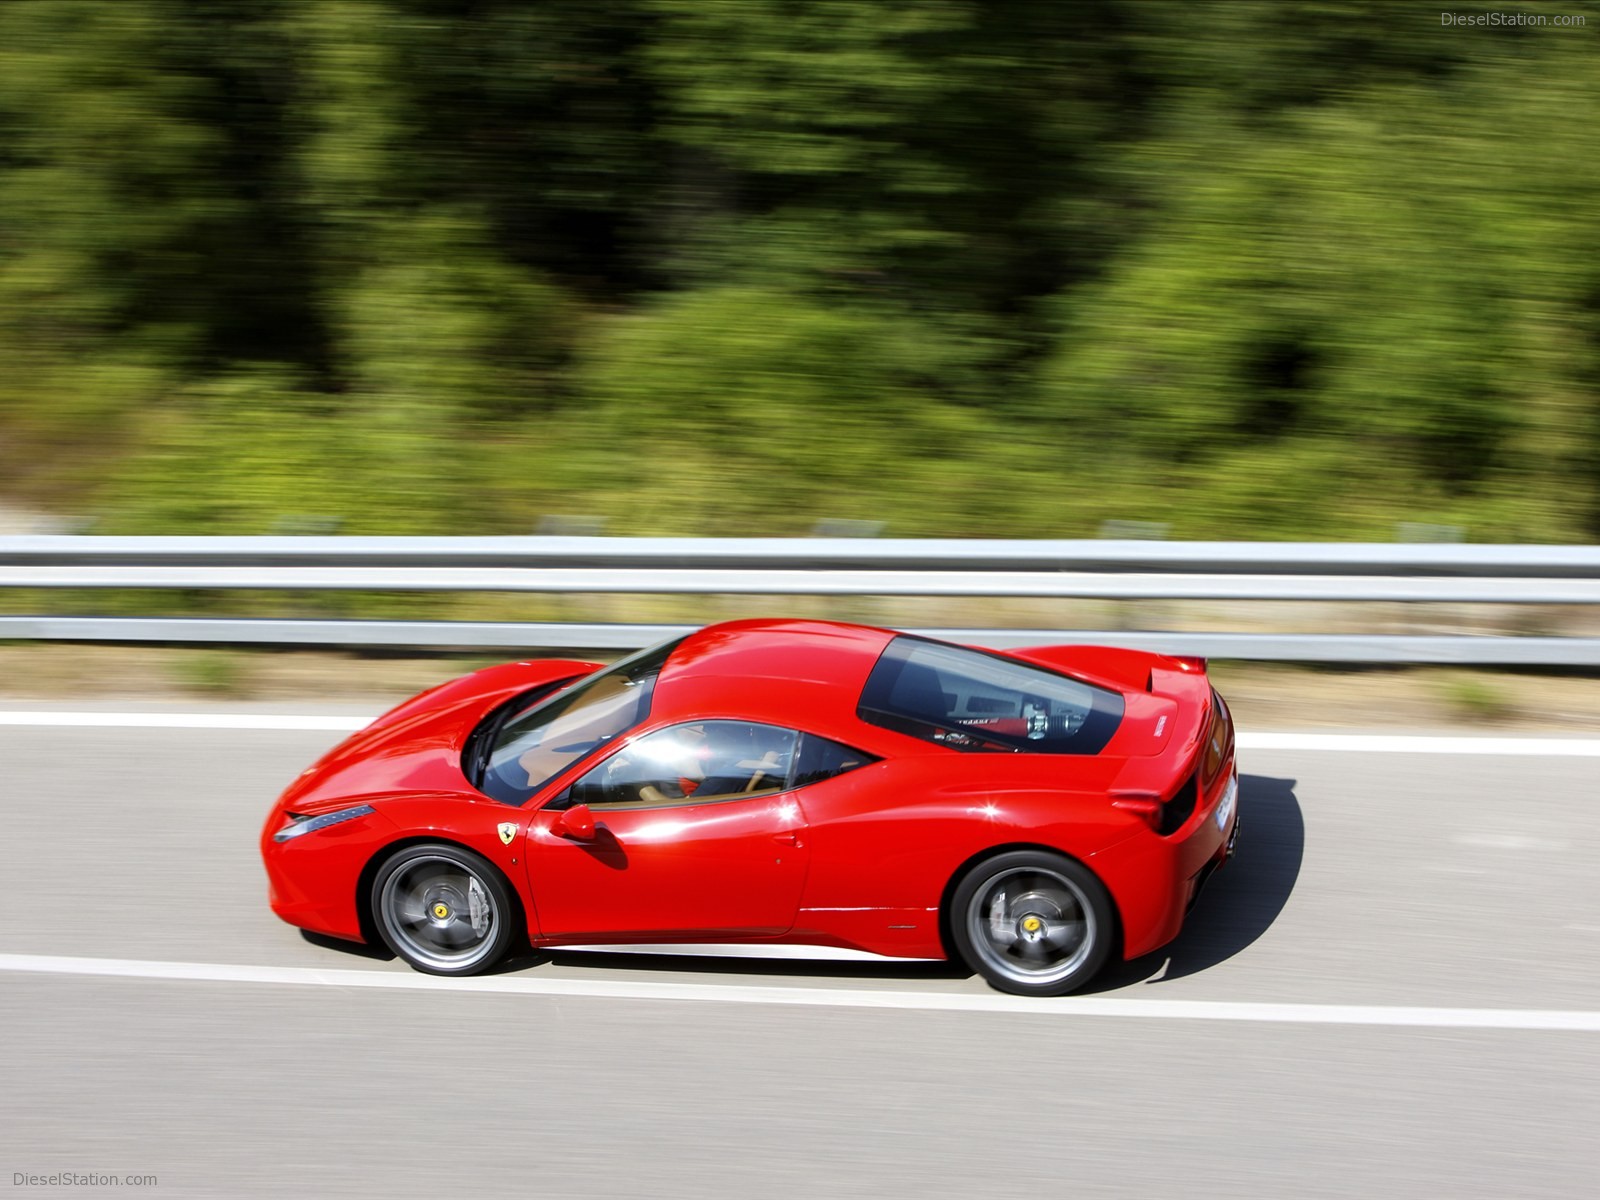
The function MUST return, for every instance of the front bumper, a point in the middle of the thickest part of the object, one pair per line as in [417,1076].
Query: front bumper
[312,881]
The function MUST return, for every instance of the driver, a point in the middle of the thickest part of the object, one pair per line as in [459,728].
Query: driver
[674,765]
[692,749]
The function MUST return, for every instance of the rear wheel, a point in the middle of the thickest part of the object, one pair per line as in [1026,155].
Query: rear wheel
[1032,922]
[443,909]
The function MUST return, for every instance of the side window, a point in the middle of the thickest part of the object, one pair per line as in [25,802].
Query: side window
[697,763]
[821,759]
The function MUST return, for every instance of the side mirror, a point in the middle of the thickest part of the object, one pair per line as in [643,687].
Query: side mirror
[576,822]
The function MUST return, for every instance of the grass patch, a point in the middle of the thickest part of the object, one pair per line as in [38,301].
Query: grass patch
[215,673]
[1477,698]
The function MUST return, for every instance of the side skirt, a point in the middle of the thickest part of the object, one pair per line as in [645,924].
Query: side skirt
[744,950]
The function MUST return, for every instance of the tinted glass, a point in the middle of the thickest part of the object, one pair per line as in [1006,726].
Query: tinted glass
[698,763]
[1217,741]
[969,700]
[533,746]
[821,759]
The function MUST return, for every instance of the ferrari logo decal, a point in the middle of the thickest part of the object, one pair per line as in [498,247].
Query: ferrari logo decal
[508,830]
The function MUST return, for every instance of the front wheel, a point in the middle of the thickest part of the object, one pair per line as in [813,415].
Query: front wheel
[1032,922]
[443,909]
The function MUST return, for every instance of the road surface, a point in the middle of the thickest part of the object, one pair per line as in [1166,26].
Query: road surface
[1319,1029]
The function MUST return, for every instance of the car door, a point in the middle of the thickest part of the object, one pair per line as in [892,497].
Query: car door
[694,834]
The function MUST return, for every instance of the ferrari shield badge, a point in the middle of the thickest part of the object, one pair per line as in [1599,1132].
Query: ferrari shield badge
[508,830]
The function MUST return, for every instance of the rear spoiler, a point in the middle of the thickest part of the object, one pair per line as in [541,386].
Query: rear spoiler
[1189,664]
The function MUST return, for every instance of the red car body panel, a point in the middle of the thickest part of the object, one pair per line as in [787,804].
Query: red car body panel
[729,871]
[863,860]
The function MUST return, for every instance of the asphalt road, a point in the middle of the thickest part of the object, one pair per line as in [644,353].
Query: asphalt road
[1362,880]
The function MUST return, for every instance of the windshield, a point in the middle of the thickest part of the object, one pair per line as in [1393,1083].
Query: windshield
[534,745]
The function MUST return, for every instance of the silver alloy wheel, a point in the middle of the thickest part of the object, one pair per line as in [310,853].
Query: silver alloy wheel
[1032,925]
[441,911]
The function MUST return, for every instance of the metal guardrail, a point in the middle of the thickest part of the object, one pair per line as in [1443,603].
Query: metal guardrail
[821,554]
[1128,570]
[522,636]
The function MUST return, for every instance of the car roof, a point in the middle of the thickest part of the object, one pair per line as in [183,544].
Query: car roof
[787,672]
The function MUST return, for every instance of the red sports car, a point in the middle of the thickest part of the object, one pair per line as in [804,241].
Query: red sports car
[783,782]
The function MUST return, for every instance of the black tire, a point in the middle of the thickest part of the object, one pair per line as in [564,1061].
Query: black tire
[444,909]
[1032,922]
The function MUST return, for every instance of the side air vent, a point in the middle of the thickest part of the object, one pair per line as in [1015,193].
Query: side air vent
[1181,807]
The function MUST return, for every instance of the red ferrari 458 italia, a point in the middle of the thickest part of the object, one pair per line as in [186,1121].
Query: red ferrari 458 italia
[1029,813]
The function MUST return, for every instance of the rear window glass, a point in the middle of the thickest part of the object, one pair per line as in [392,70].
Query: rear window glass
[969,700]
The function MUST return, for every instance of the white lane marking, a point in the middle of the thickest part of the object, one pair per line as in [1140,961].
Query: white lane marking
[1366,743]
[1508,841]
[1359,743]
[176,720]
[1530,1019]
[1384,743]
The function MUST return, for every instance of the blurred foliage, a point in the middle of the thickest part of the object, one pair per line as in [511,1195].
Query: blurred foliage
[728,266]
[222,673]
[1476,697]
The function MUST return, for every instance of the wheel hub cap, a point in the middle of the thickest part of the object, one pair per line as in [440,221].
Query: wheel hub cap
[440,911]
[1032,925]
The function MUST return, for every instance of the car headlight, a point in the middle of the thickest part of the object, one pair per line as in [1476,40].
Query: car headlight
[302,825]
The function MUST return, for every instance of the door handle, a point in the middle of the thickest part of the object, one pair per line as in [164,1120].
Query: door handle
[787,839]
